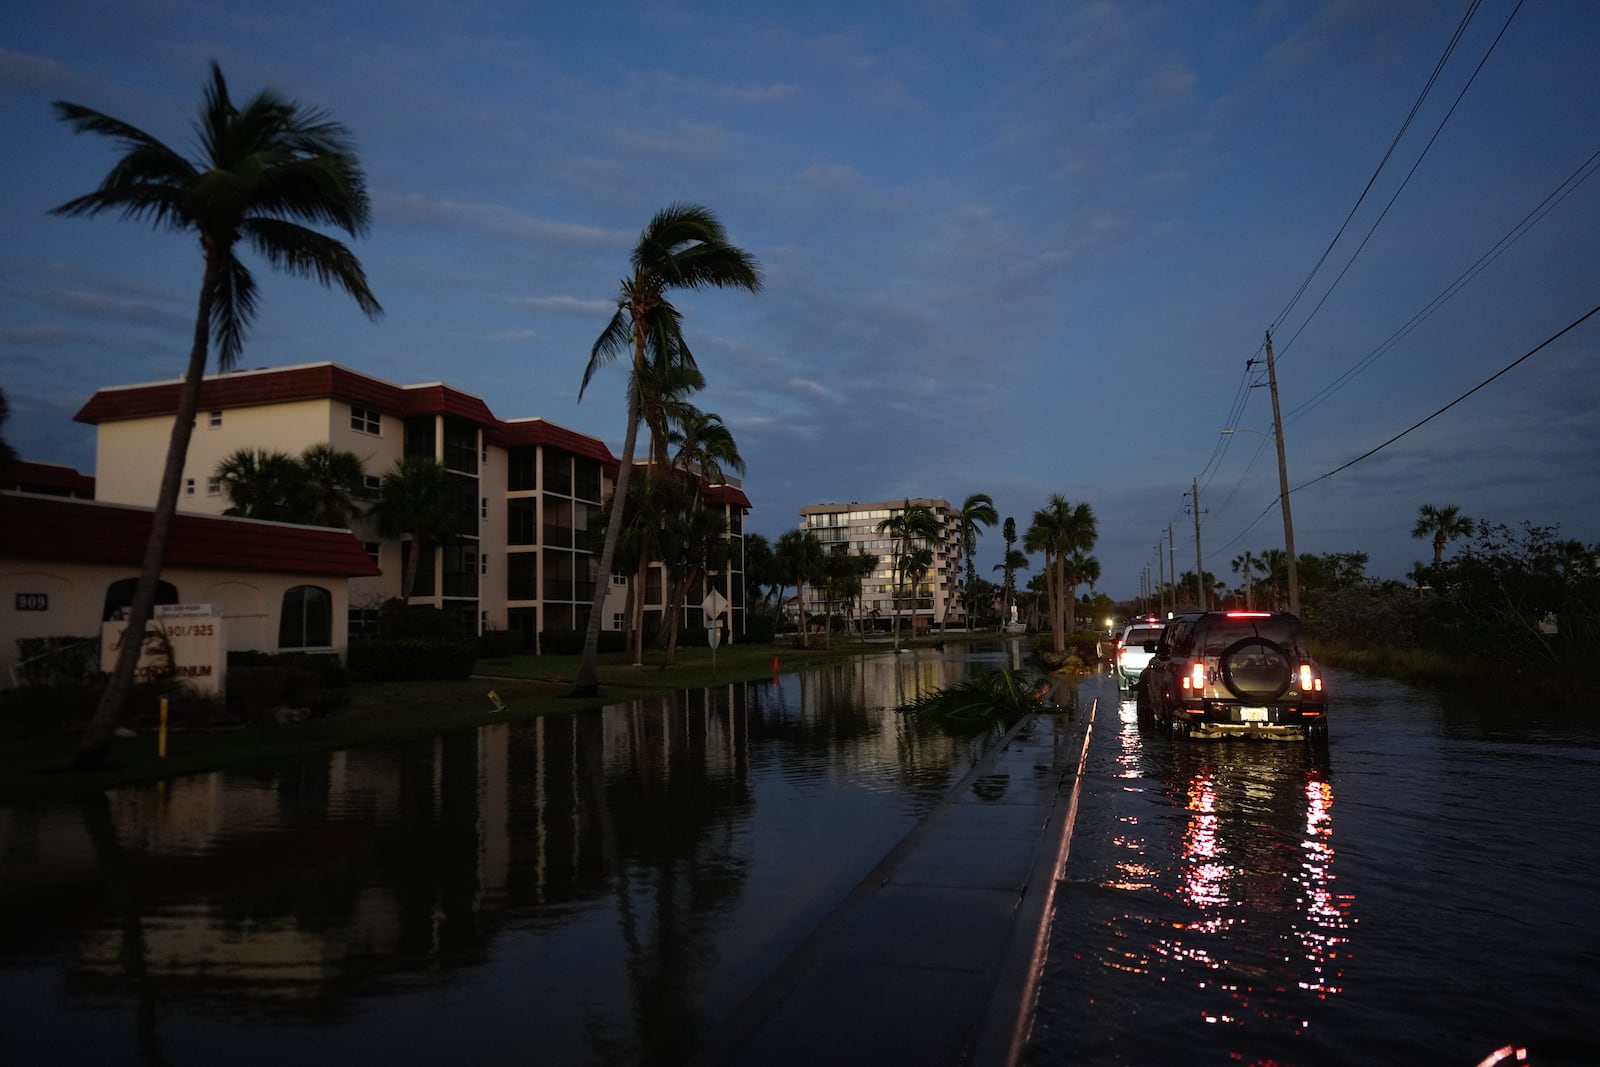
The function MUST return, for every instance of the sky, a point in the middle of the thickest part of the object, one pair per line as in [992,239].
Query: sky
[1018,249]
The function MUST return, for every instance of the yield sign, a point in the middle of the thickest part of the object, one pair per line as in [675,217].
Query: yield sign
[714,604]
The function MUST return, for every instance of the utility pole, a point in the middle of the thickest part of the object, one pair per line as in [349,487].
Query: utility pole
[1283,484]
[1172,568]
[1162,588]
[1199,582]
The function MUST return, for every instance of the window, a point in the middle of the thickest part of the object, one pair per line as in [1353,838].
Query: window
[521,469]
[374,549]
[188,487]
[461,571]
[365,420]
[483,507]
[522,576]
[483,564]
[214,485]
[307,620]
[372,483]
[216,419]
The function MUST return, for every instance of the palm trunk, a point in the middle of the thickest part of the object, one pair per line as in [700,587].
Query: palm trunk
[587,681]
[96,741]
[636,619]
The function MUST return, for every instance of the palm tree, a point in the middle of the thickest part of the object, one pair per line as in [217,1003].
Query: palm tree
[913,522]
[1059,529]
[683,247]
[915,565]
[8,455]
[706,448]
[694,544]
[758,568]
[335,486]
[1443,525]
[265,172]
[1078,568]
[1247,564]
[977,510]
[262,484]
[800,561]
[420,499]
[1015,561]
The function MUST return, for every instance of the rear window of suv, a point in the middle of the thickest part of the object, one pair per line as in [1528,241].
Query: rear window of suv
[1139,636]
[1219,633]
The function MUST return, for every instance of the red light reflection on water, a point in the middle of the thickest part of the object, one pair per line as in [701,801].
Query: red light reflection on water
[1237,874]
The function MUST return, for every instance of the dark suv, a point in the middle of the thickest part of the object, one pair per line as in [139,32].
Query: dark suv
[1233,674]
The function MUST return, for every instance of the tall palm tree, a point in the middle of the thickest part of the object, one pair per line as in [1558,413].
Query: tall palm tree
[913,522]
[915,566]
[419,499]
[1008,564]
[706,448]
[683,247]
[801,561]
[1247,564]
[1078,568]
[264,174]
[335,486]
[758,568]
[8,455]
[977,510]
[1443,525]
[1059,529]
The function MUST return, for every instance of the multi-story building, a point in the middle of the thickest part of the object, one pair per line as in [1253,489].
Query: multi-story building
[933,601]
[530,490]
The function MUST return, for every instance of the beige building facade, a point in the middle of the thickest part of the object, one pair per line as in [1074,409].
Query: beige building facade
[933,602]
[530,490]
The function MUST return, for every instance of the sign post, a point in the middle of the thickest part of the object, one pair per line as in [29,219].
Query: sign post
[713,606]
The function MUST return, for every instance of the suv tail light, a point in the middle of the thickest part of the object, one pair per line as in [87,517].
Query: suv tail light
[1196,678]
[1309,682]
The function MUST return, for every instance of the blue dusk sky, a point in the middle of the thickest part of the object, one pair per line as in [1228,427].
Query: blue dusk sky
[1010,248]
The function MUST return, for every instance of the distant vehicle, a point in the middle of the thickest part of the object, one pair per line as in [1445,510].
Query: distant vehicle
[1234,673]
[1131,652]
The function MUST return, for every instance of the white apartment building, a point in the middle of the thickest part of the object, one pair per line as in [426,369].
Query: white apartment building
[531,490]
[855,526]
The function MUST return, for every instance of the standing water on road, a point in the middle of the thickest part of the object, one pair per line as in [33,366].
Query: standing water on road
[591,888]
[1423,890]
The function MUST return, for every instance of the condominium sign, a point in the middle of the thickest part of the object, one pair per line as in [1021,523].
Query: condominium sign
[184,640]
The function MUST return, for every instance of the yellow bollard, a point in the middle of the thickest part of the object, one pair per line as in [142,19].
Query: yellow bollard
[161,743]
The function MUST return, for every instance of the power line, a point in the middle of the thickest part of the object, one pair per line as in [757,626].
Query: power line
[1409,174]
[1574,324]
[1416,106]
[1583,173]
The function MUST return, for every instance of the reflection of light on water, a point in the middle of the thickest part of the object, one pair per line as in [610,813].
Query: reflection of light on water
[1326,916]
[1132,744]
[1228,882]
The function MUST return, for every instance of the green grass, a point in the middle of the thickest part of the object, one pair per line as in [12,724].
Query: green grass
[378,712]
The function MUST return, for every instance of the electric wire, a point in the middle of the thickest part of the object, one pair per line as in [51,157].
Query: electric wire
[1407,181]
[1416,106]
[1574,324]
[1583,173]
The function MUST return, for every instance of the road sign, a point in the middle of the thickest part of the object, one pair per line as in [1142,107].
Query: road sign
[714,604]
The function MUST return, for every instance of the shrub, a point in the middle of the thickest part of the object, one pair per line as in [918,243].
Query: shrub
[496,644]
[570,642]
[48,660]
[410,659]
[759,629]
[398,620]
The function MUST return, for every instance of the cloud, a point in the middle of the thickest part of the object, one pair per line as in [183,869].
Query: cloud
[37,72]
[44,334]
[565,305]
[491,219]
[98,306]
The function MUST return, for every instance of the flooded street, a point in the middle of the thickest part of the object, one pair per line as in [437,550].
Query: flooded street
[599,888]
[1424,890]
[608,888]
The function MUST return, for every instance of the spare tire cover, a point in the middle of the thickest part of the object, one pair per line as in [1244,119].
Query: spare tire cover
[1256,669]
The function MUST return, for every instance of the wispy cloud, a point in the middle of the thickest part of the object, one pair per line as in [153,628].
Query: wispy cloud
[494,219]
[564,305]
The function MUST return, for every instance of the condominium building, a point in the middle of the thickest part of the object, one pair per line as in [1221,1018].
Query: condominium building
[530,489]
[934,600]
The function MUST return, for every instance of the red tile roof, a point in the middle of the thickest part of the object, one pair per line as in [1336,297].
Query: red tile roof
[319,380]
[727,494]
[85,531]
[53,478]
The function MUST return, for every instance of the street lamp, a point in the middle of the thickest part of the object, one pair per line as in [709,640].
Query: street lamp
[1283,499]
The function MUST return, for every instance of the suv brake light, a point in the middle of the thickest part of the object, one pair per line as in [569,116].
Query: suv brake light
[1308,681]
[1196,678]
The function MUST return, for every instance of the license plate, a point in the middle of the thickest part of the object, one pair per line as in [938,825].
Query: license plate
[1252,714]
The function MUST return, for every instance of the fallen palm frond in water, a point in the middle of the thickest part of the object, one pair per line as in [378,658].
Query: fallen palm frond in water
[988,695]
